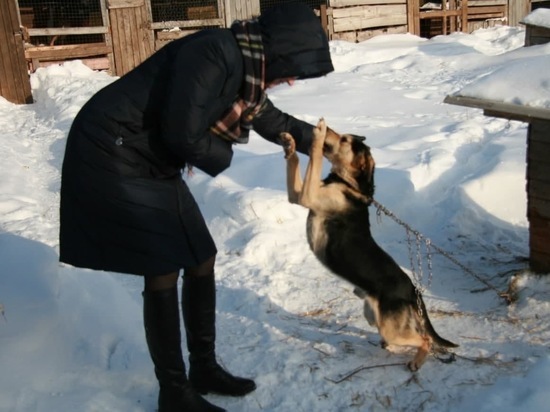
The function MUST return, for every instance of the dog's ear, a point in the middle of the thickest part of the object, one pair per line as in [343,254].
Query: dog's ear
[359,138]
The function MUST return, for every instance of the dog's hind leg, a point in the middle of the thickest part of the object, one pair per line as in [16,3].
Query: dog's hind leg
[421,354]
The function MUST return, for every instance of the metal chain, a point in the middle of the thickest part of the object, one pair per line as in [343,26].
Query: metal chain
[429,246]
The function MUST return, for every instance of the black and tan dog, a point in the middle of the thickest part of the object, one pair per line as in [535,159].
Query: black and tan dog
[338,232]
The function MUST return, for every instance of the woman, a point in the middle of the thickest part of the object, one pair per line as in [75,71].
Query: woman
[124,206]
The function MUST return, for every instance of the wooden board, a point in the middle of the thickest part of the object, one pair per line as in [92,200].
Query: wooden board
[536,35]
[345,3]
[363,17]
[131,37]
[500,109]
[14,77]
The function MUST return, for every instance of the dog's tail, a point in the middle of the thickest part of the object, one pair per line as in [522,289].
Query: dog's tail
[437,340]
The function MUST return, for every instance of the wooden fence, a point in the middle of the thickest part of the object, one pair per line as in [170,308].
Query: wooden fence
[14,79]
[126,32]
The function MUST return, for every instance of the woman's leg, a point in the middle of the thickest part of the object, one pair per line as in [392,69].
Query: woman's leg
[199,315]
[162,331]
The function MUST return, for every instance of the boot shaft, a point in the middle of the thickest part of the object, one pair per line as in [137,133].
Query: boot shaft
[199,314]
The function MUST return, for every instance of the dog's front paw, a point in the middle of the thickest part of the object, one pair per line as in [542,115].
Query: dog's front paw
[289,144]
[319,134]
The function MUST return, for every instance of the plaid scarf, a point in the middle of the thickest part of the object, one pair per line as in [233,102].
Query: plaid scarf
[236,123]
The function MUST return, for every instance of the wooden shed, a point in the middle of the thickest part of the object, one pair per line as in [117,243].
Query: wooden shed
[538,162]
[536,32]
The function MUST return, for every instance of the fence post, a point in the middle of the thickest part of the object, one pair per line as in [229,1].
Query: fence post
[15,83]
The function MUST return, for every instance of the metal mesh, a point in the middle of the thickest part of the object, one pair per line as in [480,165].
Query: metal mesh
[314,4]
[40,14]
[183,10]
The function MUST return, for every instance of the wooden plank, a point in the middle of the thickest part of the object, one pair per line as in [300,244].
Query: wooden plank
[539,262]
[539,132]
[539,169]
[94,63]
[368,34]
[201,12]
[116,39]
[346,3]
[131,37]
[487,2]
[186,24]
[357,18]
[67,51]
[475,12]
[173,35]
[7,58]
[349,36]
[413,16]
[517,10]
[62,31]
[539,207]
[538,188]
[439,13]
[14,79]
[126,44]
[145,35]
[500,109]
[124,4]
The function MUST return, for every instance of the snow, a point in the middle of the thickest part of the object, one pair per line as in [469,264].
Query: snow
[72,339]
[539,17]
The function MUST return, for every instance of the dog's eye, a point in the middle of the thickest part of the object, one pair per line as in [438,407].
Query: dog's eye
[343,139]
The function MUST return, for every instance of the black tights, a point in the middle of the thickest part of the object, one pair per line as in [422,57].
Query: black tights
[170,280]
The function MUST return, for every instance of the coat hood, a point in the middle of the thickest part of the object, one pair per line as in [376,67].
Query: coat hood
[295,44]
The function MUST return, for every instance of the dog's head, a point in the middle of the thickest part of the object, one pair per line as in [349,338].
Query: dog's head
[350,156]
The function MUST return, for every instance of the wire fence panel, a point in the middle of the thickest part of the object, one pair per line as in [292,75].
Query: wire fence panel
[62,22]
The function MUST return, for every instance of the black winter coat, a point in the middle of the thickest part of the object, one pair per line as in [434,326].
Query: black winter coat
[124,206]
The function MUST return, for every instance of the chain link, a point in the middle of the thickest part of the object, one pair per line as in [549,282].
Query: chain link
[417,277]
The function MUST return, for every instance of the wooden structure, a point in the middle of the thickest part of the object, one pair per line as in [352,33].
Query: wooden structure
[538,164]
[98,55]
[15,84]
[358,20]
[126,32]
[196,18]
[535,33]
[131,39]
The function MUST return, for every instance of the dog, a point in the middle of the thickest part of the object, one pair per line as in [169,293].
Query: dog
[338,233]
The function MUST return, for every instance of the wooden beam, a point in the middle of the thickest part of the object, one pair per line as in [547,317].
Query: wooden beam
[346,3]
[124,4]
[357,18]
[187,24]
[67,52]
[501,109]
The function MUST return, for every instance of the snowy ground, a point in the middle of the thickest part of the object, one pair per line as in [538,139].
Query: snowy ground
[72,339]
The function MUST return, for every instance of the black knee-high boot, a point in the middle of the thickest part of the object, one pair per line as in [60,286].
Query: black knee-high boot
[162,331]
[199,315]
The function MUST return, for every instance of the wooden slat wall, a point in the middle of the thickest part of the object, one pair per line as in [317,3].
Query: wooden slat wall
[517,10]
[240,10]
[358,20]
[364,17]
[536,35]
[538,194]
[131,35]
[14,78]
